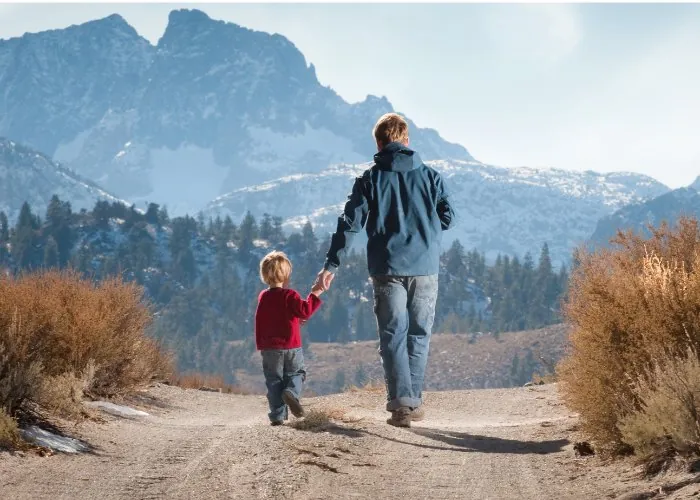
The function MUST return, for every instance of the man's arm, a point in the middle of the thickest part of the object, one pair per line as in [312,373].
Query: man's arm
[445,210]
[350,222]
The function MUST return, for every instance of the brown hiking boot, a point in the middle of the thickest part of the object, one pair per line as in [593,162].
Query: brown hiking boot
[418,414]
[293,403]
[400,417]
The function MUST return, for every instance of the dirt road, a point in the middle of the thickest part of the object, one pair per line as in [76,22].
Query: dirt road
[488,444]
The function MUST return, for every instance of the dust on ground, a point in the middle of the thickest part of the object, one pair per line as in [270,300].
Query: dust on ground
[481,444]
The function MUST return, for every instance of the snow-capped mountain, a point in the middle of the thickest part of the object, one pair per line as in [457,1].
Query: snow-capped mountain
[667,207]
[26,175]
[212,107]
[501,210]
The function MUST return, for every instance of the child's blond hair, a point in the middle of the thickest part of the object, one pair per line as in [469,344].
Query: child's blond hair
[391,127]
[275,268]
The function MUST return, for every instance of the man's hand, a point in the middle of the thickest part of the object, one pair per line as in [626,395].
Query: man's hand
[324,279]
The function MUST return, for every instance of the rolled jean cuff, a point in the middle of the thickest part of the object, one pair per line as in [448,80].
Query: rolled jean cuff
[397,403]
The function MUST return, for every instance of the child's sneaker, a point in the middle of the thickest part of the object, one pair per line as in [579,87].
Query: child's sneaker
[293,403]
[400,417]
[275,423]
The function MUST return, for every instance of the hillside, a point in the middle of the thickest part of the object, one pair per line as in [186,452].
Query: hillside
[668,207]
[212,107]
[501,210]
[454,362]
[512,443]
[29,176]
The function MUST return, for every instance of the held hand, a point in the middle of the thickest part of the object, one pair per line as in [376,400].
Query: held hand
[324,279]
[317,289]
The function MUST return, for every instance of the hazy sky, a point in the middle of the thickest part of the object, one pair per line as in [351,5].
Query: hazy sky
[602,87]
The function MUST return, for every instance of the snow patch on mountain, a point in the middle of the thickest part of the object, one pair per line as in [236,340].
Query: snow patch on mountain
[272,151]
[500,210]
[187,176]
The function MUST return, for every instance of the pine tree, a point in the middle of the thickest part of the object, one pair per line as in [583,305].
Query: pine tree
[266,229]
[277,236]
[59,226]
[25,242]
[153,214]
[247,233]
[51,253]
[101,213]
[4,238]
[4,228]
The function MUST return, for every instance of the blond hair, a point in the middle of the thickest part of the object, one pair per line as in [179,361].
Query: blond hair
[391,127]
[275,268]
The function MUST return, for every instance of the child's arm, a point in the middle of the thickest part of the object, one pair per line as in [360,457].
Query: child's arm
[303,309]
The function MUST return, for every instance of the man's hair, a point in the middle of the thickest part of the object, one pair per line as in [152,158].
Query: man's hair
[275,268]
[391,127]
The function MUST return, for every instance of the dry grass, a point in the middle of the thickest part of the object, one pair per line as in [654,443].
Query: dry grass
[9,436]
[454,363]
[192,380]
[670,401]
[371,386]
[633,309]
[318,420]
[62,336]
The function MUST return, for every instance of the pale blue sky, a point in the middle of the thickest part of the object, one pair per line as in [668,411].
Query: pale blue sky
[578,86]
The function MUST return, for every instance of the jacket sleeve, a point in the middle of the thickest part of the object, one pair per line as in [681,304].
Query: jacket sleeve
[300,308]
[445,210]
[350,222]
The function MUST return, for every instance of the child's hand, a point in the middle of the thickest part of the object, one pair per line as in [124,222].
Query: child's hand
[317,289]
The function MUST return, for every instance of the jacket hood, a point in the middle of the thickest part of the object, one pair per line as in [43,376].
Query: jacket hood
[396,157]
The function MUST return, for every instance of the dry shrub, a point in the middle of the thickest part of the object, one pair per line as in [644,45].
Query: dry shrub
[371,386]
[20,371]
[9,436]
[632,308]
[318,420]
[55,324]
[196,380]
[62,394]
[670,401]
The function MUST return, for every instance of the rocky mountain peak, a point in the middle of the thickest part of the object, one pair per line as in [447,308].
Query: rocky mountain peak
[213,107]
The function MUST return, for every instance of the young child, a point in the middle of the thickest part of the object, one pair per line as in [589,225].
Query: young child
[278,338]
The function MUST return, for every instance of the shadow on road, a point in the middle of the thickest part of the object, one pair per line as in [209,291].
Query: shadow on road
[464,442]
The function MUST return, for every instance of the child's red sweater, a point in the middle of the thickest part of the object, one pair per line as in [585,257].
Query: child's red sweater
[277,318]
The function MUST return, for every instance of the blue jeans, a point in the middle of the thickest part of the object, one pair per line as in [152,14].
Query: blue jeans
[284,371]
[405,310]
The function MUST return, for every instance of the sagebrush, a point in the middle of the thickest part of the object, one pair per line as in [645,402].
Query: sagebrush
[62,336]
[668,416]
[9,436]
[197,380]
[632,308]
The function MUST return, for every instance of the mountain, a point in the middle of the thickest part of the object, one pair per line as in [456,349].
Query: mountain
[667,207]
[26,175]
[696,185]
[211,108]
[501,210]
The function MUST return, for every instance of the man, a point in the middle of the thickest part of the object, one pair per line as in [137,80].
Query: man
[404,206]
